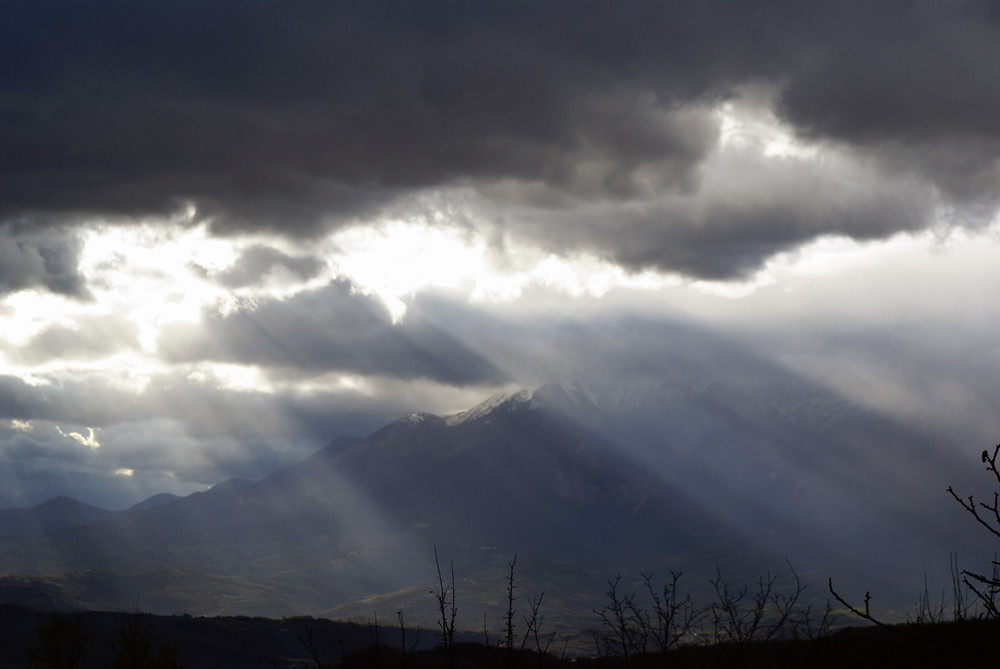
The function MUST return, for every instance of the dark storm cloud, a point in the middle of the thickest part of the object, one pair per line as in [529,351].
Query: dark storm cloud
[914,84]
[272,115]
[748,214]
[329,329]
[910,71]
[277,115]
[295,116]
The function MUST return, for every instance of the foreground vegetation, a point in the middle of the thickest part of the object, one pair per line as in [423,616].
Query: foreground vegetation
[259,643]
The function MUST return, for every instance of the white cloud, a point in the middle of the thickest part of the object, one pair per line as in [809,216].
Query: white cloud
[22,425]
[748,122]
[398,259]
[230,377]
[147,273]
[89,441]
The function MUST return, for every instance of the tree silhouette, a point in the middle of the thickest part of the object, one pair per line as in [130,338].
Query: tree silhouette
[986,588]
[135,650]
[60,644]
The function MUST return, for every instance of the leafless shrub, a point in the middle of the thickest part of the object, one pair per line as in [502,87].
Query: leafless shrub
[509,626]
[404,650]
[621,633]
[740,615]
[517,645]
[309,644]
[533,624]
[985,587]
[447,609]
[632,627]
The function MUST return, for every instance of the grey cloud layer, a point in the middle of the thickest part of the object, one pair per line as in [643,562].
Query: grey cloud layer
[45,260]
[259,261]
[295,116]
[89,338]
[743,215]
[330,329]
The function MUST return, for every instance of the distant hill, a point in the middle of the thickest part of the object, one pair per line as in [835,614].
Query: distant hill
[52,516]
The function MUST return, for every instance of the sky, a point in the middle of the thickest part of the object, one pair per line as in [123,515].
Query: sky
[233,231]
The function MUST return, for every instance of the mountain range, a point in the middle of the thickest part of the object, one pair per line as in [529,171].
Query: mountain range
[579,482]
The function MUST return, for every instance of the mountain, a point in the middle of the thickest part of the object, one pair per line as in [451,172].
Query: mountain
[781,457]
[155,500]
[49,517]
[578,481]
[230,484]
[512,476]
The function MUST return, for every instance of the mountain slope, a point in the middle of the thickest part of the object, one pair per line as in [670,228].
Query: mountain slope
[512,476]
[155,500]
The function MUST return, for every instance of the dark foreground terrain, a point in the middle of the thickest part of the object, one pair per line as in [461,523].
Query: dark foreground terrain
[197,643]
[104,639]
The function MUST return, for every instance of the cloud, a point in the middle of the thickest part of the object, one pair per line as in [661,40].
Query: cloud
[911,84]
[917,70]
[294,118]
[89,441]
[88,337]
[48,260]
[33,465]
[745,212]
[258,261]
[328,329]
[335,103]
[21,425]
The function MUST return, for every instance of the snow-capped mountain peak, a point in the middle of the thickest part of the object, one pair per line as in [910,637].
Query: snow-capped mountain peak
[505,400]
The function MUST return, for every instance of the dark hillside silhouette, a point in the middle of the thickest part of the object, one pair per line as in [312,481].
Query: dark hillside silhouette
[248,643]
